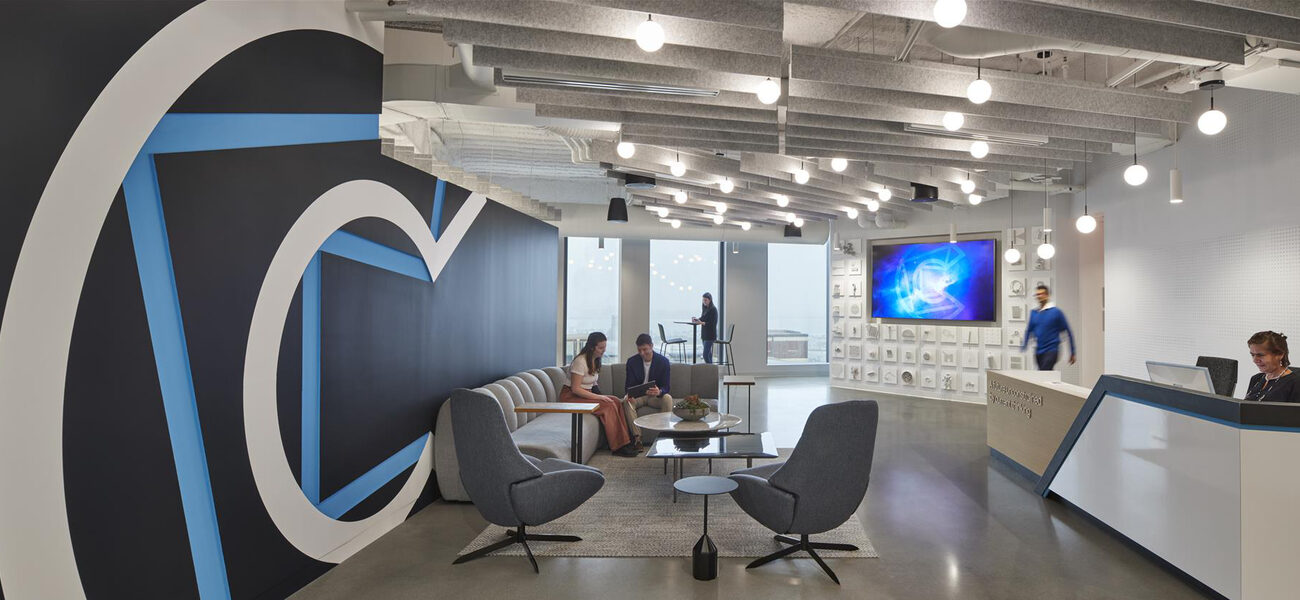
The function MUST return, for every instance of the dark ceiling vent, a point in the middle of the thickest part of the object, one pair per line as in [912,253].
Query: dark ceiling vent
[638,182]
[924,193]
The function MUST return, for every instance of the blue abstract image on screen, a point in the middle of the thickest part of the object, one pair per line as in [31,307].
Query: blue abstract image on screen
[940,281]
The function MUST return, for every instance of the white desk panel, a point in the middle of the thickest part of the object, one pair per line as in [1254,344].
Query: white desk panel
[1168,481]
[1270,515]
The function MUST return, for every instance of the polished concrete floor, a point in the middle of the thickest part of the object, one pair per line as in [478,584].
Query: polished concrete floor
[947,522]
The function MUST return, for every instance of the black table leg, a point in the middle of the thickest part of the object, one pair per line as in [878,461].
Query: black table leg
[749,408]
[704,557]
[695,331]
[576,455]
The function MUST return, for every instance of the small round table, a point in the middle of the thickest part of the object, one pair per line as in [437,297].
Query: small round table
[704,558]
[668,422]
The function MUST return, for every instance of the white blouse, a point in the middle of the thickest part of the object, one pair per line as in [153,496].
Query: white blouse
[579,367]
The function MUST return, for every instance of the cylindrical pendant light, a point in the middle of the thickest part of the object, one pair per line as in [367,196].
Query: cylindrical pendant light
[1175,176]
[617,210]
[952,233]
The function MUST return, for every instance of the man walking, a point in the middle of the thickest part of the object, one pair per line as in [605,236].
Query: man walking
[1045,325]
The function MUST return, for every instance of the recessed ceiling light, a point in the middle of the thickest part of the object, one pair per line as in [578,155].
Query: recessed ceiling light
[649,35]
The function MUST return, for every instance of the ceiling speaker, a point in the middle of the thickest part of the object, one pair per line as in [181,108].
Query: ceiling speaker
[638,182]
[924,193]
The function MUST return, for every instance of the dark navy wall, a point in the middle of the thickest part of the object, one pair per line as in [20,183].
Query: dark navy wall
[392,346]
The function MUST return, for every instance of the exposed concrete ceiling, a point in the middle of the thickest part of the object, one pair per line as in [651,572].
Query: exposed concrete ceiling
[1062,73]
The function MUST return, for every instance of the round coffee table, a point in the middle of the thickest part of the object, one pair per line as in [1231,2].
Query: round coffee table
[704,558]
[670,423]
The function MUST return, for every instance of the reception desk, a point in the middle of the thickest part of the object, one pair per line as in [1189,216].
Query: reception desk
[1029,414]
[1208,484]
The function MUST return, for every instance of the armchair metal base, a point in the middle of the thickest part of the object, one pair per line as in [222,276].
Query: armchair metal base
[518,537]
[803,544]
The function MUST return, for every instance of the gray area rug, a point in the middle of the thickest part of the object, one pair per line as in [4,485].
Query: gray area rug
[634,516]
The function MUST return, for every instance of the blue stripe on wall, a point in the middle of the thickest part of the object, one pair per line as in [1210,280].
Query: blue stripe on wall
[435,222]
[362,487]
[311,349]
[362,250]
[163,308]
[180,132]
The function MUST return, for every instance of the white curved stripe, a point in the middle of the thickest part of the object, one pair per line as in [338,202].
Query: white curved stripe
[303,525]
[36,556]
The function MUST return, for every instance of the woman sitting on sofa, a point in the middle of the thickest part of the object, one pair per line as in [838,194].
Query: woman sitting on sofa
[583,373]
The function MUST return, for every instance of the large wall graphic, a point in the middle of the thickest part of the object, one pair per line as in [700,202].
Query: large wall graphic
[229,321]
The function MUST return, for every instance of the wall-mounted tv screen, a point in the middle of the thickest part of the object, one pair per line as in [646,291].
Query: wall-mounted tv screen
[935,281]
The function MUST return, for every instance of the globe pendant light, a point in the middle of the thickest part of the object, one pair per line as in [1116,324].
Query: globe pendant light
[851,212]
[798,222]
[782,200]
[1212,121]
[1086,223]
[952,121]
[949,13]
[744,226]
[1136,174]
[790,217]
[675,223]
[975,199]
[1012,255]
[626,149]
[677,168]
[801,175]
[873,205]
[679,196]
[979,91]
[1046,250]
[884,194]
[722,207]
[726,186]
[649,35]
[768,92]
[839,164]
[979,148]
[717,219]
[967,186]
[663,211]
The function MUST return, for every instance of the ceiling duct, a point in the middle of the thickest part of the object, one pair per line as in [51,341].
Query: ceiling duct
[528,79]
[638,182]
[994,137]
[924,193]
[970,43]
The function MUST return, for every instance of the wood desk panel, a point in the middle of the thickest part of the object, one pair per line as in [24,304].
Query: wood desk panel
[1028,416]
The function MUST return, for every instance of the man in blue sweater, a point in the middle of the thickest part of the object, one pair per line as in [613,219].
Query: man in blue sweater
[1045,325]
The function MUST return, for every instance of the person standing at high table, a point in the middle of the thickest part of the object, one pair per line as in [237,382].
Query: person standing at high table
[1045,325]
[708,320]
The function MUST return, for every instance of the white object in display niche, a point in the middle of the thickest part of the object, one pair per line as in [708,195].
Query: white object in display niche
[1016,311]
[993,359]
[928,378]
[1016,286]
[835,290]
[837,349]
[1014,336]
[837,267]
[837,329]
[837,309]
[1015,237]
[855,290]
[889,333]
[928,333]
[872,374]
[855,308]
[855,267]
[907,377]
[1016,362]
[948,381]
[1042,264]
[907,333]
[889,375]
[1036,235]
[970,358]
[948,335]
[873,331]
[992,336]
[889,353]
[1043,281]
[929,355]
[970,383]
[873,352]
[855,330]
[908,356]
[837,370]
[948,357]
[855,350]
[855,373]
[970,336]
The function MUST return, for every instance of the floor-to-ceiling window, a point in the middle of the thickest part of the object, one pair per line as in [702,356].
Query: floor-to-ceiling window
[796,304]
[591,294]
[680,272]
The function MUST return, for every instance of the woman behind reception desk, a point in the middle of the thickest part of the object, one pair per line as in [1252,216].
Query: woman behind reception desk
[1275,381]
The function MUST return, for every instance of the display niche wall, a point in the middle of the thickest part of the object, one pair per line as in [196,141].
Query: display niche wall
[943,360]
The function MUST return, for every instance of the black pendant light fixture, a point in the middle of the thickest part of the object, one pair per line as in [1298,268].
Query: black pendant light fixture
[617,210]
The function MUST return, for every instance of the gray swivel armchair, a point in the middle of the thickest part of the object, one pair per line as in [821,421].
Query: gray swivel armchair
[507,487]
[821,484]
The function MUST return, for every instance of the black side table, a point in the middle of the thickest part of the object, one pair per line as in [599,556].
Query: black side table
[704,559]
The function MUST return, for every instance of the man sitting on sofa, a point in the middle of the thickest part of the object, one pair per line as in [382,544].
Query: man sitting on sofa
[646,366]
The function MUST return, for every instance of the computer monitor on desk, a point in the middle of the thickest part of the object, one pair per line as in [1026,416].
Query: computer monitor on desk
[1184,376]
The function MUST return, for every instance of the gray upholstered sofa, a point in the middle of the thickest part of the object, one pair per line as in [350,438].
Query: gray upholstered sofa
[546,435]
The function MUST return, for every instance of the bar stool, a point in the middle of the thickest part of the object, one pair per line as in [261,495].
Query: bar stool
[664,343]
[724,350]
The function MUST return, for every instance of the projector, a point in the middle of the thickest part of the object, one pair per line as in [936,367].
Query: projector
[924,193]
[638,182]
